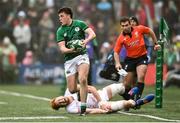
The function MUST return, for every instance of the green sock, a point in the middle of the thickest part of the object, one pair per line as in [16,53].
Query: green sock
[83,107]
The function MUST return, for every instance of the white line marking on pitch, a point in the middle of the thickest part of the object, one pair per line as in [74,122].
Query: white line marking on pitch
[24,95]
[149,116]
[3,103]
[32,118]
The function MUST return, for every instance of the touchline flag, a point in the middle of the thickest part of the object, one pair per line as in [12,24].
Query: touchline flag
[164,29]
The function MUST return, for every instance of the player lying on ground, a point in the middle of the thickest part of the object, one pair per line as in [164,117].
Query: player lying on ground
[70,101]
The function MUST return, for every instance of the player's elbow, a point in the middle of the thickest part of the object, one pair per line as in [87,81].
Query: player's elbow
[62,51]
[93,35]
[151,33]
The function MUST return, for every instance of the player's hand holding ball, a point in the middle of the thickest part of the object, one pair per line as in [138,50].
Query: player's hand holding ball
[77,45]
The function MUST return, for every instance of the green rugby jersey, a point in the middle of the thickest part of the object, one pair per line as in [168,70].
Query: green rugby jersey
[75,31]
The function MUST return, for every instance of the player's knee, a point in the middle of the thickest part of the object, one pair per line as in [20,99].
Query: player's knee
[117,89]
[82,80]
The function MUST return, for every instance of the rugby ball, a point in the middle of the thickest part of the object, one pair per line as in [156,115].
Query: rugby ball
[77,45]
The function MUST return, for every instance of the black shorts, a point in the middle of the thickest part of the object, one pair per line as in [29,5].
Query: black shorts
[130,64]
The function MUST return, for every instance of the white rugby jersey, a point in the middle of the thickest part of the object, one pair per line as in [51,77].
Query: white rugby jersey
[74,107]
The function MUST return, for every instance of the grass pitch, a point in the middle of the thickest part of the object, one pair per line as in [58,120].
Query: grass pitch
[15,107]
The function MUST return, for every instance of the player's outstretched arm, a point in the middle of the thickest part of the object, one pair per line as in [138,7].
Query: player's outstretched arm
[91,35]
[153,36]
[117,61]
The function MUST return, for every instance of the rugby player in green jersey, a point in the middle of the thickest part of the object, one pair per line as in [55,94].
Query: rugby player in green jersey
[76,60]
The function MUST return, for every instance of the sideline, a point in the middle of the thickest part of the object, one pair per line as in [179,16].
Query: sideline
[148,116]
[3,103]
[24,95]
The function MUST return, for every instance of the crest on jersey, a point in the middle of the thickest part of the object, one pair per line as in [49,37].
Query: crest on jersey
[136,34]
[65,34]
[77,29]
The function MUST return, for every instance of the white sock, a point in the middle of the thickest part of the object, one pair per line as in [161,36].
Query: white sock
[117,105]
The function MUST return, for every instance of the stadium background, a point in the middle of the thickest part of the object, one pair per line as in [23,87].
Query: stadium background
[102,15]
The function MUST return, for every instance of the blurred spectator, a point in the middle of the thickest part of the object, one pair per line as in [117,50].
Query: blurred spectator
[46,27]
[33,16]
[9,60]
[84,8]
[6,11]
[40,6]
[1,66]
[157,8]
[171,14]
[171,57]
[29,58]
[50,6]
[49,3]
[150,5]
[112,40]
[51,52]
[141,15]
[21,17]
[173,76]
[104,51]
[22,34]
[176,41]
[9,52]
[100,31]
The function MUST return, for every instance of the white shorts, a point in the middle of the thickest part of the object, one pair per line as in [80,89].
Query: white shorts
[72,65]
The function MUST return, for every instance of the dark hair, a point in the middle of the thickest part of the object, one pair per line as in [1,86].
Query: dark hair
[66,10]
[124,19]
[134,19]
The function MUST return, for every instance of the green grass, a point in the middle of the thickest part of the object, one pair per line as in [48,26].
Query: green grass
[18,106]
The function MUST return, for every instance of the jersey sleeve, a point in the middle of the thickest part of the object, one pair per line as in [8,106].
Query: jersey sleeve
[144,29]
[73,110]
[83,25]
[59,36]
[67,92]
[119,44]
[73,107]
